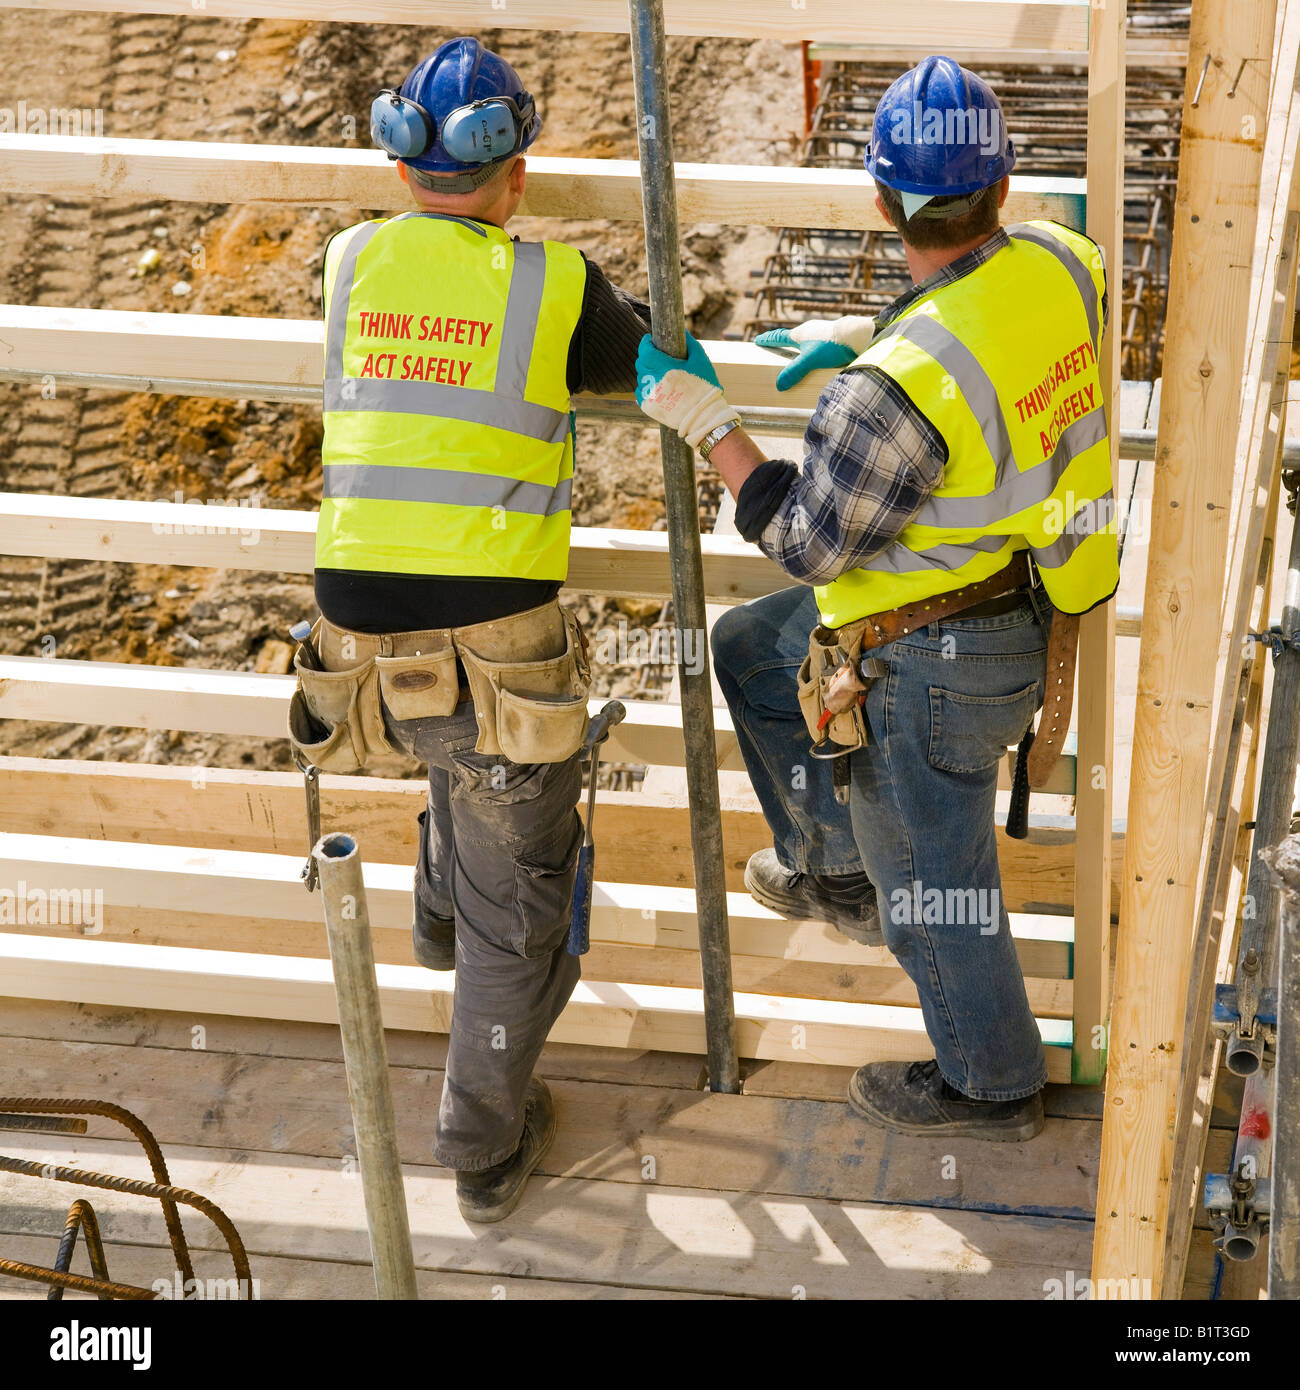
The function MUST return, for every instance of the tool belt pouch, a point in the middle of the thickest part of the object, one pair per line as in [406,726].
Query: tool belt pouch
[826,654]
[335,720]
[419,687]
[532,711]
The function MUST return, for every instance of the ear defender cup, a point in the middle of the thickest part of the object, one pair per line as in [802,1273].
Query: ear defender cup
[400,126]
[483,132]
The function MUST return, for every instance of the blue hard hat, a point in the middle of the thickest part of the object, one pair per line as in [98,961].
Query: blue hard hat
[460,108]
[939,131]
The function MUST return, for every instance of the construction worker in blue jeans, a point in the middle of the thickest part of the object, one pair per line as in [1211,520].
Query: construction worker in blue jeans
[964,435]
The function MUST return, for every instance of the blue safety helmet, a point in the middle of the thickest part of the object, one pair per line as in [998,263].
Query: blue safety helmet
[939,132]
[460,112]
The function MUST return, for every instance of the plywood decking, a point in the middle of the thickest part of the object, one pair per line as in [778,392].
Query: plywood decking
[817,1204]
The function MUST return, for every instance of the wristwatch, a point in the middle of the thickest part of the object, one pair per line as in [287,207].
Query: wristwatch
[710,439]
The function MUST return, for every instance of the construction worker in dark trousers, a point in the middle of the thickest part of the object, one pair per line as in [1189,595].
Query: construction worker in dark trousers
[963,437]
[451,353]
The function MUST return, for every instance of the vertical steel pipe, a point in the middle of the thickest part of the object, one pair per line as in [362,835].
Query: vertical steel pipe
[1284,1221]
[1256,951]
[365,1059]
[663,256]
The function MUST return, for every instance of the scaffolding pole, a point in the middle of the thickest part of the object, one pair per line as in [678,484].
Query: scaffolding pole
[663,256]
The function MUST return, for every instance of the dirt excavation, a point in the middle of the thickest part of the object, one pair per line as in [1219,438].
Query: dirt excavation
[279,82]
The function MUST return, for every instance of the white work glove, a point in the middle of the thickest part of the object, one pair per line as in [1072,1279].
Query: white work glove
[682,393]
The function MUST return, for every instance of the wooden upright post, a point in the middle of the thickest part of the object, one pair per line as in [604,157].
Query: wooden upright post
[1209,307]
[1096,703]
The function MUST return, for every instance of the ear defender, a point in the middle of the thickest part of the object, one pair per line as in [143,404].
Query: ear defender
[482,132]
[400,126]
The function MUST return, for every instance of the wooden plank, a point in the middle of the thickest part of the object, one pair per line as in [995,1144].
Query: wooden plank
[703,1240]
[255,704]
[256,902]
[1156,52]
[1215,217]
[880,981]
[793,1147]
[574,189]
[1054,25]
[1096,661]
[252,351]
[154,1030]
[617,563]
[639,1016]
[278,1277]
[1037,873]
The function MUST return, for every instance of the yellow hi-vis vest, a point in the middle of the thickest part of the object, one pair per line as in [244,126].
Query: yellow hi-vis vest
[1003,363]
[448,443]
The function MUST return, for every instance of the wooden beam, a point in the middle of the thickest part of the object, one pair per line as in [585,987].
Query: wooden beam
[602,1015]
[1154,52]
[616,563]
[1096,664]
[1000,24]
[137,696]
[223,348]
[236,900]
[576,189]
[1210,290]
[220,808]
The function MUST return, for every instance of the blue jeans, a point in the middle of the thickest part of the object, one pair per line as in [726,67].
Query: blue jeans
[920,816]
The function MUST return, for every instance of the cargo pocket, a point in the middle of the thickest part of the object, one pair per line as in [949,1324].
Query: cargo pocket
[531,711]
[419,687]
[544,892]
[335,720]
[971,733]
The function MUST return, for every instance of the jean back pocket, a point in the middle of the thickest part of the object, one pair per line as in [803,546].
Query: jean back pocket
[970,733]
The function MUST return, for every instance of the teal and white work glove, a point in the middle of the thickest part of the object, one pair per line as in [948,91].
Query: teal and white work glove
[820,345]
[682,393]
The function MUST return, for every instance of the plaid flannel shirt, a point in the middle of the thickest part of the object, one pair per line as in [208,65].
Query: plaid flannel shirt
[872,458]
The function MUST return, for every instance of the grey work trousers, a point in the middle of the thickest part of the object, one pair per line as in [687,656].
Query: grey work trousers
[498,851]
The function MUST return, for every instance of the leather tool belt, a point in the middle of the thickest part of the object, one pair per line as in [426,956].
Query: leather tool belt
[528,674]
[831,698]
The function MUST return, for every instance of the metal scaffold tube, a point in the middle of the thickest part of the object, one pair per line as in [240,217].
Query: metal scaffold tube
[1284,1237]
[663,255]
[365,1060]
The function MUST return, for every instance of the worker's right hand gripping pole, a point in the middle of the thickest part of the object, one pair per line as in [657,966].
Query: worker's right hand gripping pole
[663,255]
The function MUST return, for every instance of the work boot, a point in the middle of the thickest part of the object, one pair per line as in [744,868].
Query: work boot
[847,901]
[913,1098]
[434,941]
[493,1193]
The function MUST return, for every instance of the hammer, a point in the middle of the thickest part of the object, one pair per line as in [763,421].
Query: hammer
[613,713]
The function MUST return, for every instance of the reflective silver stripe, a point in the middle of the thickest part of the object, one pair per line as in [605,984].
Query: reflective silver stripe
[972,381]
[898,559]
[519,327]
[448,403]
[340,294]
[1090,518]
[1079,272]
[1018,490]
[384,483]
